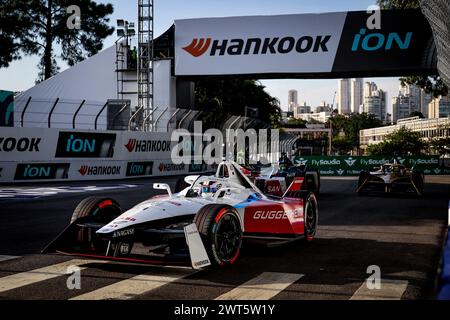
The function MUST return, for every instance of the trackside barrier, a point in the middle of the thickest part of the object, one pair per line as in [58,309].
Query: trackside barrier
[47,154]
[444,288]
[352,166]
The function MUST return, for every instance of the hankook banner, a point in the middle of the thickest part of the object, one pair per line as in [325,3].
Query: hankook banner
[305,45]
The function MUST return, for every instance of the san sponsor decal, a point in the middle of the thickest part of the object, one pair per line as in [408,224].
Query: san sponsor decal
[24,144]
[137,169]
[99,170]
[135,145]
[166,167]
[85,145]
[41,171]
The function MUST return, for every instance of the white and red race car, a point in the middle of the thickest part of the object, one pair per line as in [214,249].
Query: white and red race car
[208,221]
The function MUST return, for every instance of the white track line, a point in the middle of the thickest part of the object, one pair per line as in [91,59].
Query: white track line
[263,287]
[130,288]
[6,258]
[30,277]
[390,290]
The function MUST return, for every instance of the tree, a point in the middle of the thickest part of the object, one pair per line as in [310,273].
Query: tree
[227,97]
[417,114]
[440,146]
[46,22]
[431,84]
[13,28]
[398,4]
[295,123]
[400,142]
[349,127]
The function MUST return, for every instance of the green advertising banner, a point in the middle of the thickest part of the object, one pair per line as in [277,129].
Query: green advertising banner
[352,166]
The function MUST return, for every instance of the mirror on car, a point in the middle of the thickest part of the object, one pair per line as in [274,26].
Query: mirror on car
[162,186]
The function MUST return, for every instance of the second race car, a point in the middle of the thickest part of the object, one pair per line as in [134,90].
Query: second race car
[391,177]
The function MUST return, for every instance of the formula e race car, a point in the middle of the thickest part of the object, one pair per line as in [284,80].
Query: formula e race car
[277,179]
[391,177]
[206,221]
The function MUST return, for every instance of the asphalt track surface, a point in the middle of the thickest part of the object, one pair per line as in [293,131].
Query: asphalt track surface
[401,235]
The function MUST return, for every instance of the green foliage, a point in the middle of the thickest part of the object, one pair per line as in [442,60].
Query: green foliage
[400,142]
[230,97]
[398,4]
[431,84]
[43,23]
[440,146]
[14,29]
[295,123]
[417,114]
[349,127]
[342,145]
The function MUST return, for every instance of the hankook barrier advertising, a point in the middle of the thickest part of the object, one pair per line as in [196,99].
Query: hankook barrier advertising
[306,45]
[39,154]
[352,166]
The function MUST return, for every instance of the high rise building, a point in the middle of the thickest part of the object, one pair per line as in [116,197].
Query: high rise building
[356,95]
[376,104]
[439,107]
[425,99]
[369,87]
[292,100]
[344,99]
[410,99]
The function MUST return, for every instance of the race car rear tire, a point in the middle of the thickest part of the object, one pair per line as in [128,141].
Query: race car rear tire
[315,185]
[311,216]
[310,211]
[180,185]
[221,232]
[101,209]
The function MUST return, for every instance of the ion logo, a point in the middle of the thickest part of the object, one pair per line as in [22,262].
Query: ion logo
[256,46]
[20,145]
[375,41]
[197,167]
[136,169]
[85,145]
[42,171]
[135,145]
[99,170]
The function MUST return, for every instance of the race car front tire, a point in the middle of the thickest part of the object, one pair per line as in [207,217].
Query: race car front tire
[101,209]
[221,232]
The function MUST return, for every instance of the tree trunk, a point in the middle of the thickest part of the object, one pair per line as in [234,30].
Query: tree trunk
[48,42]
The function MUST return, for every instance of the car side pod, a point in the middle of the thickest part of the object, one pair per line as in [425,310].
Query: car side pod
[197,251]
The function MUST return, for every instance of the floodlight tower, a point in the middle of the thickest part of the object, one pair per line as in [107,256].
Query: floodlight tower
[145,63]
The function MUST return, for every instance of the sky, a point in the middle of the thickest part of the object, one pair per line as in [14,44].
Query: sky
[21,75]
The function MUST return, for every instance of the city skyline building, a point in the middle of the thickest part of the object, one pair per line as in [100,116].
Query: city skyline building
[356,95]
[344,99]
